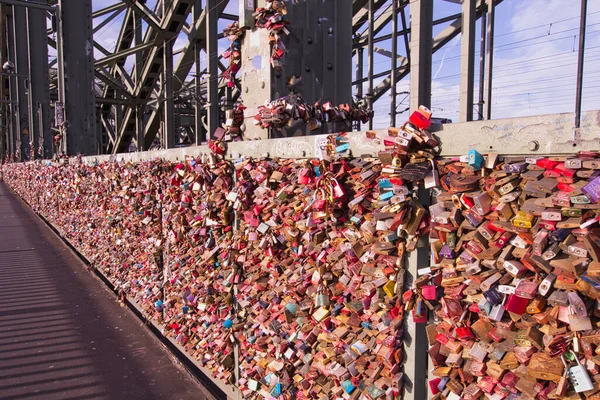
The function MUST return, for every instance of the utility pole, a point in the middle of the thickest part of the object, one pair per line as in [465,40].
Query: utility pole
[582,22]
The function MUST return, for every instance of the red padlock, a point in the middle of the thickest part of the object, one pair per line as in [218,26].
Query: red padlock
[422,319]
[464,333]
[516,304]
[304,176]
[419,120]
[546,163]
[433,385]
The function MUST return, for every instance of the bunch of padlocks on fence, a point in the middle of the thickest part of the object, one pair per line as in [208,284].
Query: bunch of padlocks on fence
[234,33]
[290,109]
[514,282]
[297,266]
[273,18]
[234,119]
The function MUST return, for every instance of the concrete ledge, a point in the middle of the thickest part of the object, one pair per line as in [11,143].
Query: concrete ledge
[553,133]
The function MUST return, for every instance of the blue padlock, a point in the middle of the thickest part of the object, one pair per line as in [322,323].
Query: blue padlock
[348,386]
[475,159]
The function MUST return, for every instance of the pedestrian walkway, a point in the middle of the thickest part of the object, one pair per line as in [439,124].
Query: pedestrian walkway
[63,335]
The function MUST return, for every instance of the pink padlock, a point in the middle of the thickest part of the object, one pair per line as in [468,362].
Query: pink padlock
[336,189]
[429,292]
[304,176]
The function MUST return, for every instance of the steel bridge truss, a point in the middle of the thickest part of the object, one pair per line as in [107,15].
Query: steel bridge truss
[151,87]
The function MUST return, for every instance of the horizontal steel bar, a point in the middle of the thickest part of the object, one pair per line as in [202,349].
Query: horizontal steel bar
[29,4]
[109,9]
[379,75]
[230,17]
[362,42]
[114,57]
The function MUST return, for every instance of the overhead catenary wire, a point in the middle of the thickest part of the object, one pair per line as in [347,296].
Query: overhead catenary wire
[455,58]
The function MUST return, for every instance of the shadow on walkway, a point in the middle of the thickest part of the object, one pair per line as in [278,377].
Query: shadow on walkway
[63,335]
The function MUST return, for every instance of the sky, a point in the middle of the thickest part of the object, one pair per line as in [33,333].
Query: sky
[535,59]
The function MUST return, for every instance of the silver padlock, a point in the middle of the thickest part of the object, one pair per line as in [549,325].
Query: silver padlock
[497,312]
[579,377]
[432,179]
[321,300]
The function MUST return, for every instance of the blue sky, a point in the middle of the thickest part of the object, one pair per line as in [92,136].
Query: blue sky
[535,59]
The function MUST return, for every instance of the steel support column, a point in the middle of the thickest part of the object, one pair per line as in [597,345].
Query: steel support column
[137,72]
[394,59]
[489,58]
[212,62]
[199,130]
[3,114]
[370,54]
[319,51]
[167,95]
[480,102]
[467,61]
[421,49]
[359,75]
[80,99]
[13,114]
[22,68]
[39,82]
[581,56]
[60,79]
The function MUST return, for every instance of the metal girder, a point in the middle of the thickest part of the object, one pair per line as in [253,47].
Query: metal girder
[104,100]
[23,3]
[421,44]
[212,110]
[183,68]
[388,54]
[362,42]
[108,19]
[100,74]
[489,58]
[229,17]
[361,13]
[143,11]
[109,9]
[445,36]
[124,41]
[383,19]
[121,55]
[467,61]
[117,72]
[168,141]
[22,68]
[80,99]
[171,26]
[120,69]
[40,86]
[108,128]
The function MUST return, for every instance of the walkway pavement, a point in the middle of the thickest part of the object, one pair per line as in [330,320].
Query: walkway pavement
[63,335]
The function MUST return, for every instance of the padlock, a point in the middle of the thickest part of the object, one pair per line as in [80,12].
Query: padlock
[515,304]
[475,159]
[432,179]
[579,377]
